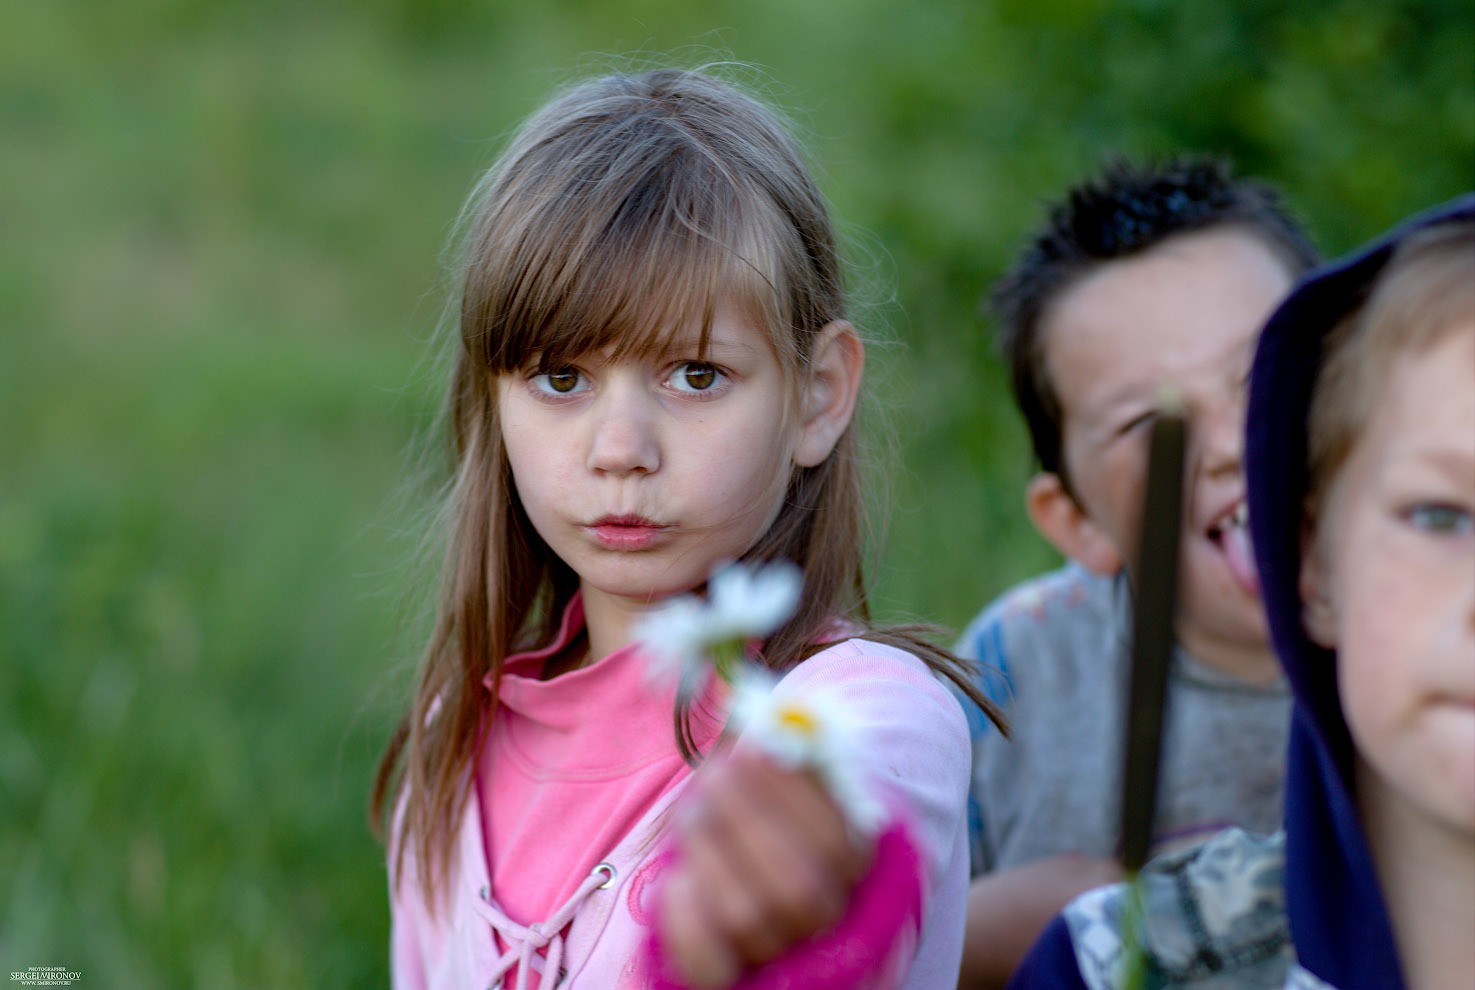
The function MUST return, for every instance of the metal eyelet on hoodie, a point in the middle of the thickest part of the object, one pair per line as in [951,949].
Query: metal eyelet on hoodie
[526,942]
[611,872]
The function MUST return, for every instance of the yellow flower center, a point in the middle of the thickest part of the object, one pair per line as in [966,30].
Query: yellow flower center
[798,719]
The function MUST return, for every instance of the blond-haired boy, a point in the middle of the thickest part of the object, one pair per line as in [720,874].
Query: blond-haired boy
[1361,464]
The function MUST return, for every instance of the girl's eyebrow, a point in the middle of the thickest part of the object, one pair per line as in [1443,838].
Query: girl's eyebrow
[691,343]
[716,343]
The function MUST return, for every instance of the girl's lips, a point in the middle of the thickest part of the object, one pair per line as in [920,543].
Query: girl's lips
[626,532]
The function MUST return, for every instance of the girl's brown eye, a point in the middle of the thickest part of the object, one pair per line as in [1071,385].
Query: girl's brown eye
[695,376]
[700,376]
[565,381]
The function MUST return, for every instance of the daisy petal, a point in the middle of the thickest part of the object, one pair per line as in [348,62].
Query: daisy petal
[813,730]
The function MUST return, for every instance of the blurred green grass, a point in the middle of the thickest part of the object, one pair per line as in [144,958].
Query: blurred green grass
[220,226]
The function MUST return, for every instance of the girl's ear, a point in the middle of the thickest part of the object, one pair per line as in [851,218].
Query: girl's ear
[1062,521]
[827,401]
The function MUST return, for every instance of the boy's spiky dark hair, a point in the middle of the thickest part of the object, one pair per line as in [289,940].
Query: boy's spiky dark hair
[1126,209]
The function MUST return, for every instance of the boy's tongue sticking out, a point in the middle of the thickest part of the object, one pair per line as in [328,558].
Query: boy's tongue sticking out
[1232,535]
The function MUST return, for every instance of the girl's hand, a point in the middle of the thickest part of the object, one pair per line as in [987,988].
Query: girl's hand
[766,861]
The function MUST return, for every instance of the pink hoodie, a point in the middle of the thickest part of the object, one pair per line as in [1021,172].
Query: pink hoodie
[588,885]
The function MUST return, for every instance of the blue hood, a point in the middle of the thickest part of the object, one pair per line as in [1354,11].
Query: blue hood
[1338,920]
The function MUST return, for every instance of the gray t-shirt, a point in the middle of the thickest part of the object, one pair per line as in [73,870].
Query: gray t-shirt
[1058,648]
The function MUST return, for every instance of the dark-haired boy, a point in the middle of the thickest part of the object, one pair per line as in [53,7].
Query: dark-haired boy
[1146,277]
[1361,464]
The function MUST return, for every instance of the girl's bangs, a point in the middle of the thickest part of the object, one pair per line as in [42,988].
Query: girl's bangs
[632,277]
[642,299]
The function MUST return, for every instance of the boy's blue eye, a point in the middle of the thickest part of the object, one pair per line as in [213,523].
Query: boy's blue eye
[695,376]
[1448,520]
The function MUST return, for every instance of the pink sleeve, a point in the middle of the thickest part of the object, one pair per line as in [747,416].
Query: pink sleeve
[915,741]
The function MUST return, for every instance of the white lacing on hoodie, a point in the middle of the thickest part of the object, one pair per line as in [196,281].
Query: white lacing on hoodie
[525,941]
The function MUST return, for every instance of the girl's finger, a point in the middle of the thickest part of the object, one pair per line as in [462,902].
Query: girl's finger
[732,902]
[795,804]
[801,798]
[770,881]
[696,952]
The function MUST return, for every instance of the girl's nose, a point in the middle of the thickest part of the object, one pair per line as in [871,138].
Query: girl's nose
[624,439]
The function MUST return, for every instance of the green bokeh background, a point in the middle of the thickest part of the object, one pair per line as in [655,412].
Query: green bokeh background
[220,233]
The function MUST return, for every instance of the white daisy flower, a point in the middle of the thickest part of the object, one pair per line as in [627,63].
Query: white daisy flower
[687,637]
[813,730]
[675,636]
[745,602]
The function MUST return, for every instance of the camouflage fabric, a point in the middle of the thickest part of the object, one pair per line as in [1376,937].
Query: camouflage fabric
[1211,918]
[1302,980]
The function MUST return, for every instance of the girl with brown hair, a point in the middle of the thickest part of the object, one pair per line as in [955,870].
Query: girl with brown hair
[655,375]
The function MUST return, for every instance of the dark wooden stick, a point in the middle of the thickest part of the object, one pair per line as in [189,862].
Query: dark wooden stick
[1154,609]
